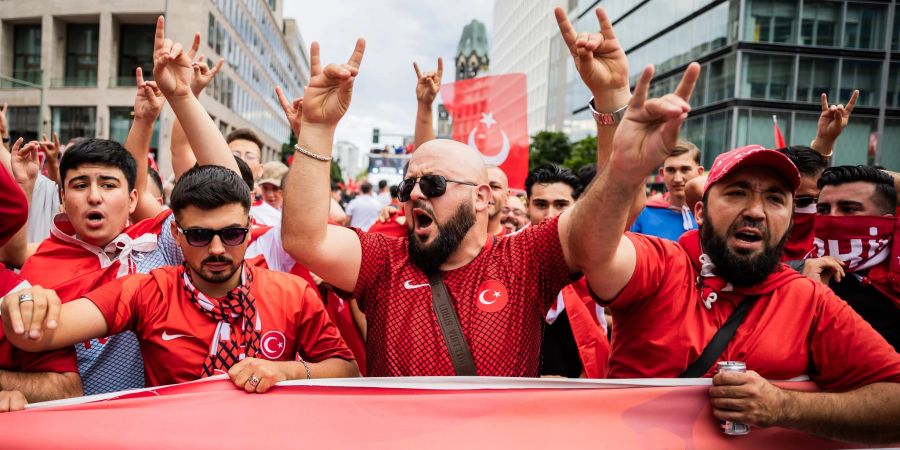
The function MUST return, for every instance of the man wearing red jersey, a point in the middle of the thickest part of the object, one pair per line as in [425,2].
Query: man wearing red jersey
[214,314]
[27,377]
[670,299]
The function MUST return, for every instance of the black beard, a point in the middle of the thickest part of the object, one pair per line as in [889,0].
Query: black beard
[430,257]
[739,269]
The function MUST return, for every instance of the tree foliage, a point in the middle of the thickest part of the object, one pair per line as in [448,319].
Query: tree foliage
[554,147]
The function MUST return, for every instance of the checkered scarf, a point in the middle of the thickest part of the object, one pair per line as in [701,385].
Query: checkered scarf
[236,311]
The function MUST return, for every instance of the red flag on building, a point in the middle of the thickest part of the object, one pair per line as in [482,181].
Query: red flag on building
[490,114]
[779,138]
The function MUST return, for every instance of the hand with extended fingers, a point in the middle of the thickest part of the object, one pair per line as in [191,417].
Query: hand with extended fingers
[832,122]
[647,133]
[328,94]
[24,162]
[203,74]
[149,100]
[429,84]
[172,65]
[51,148]
[292,110]
[599,59]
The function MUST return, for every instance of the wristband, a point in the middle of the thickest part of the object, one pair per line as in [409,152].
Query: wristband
[612,118]
[305,366]
[312,155]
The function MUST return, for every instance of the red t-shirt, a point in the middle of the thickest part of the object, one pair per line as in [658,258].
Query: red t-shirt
[13,208]
[501,298]
[13,359]
[800,328]
[175,335]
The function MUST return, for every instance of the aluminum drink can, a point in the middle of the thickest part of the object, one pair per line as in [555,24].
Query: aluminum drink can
[729,427]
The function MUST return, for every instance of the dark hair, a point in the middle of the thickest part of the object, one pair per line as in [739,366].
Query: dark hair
[103,152]
[246,173]
[808,161]
[209,187]
[382,184]
[551,173]
[885,197]
[335,187]
[245,134]
[586,174]
[395,191]
[154,177]
[365,187]
[685,147]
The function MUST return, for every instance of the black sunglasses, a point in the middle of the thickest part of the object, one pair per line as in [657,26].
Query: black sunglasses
[201,237]
[432,186]
[804,201]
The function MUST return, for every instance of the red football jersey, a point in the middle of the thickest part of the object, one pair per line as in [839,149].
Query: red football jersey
[501,298]
[175,335]
[799,328]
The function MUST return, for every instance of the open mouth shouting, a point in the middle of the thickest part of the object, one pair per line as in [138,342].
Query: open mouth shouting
[747,238]
[422,222]
[94,218]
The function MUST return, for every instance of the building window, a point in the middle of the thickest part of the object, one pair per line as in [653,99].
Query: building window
[864,26]
[862,75]
[74,121]
[721,79]
[893,93]
[23,122]
[120,123]
[135,50]
[273,4]
[821,20]
[767,76]
[27,53]
[770,21]
[82,41]
[815,76]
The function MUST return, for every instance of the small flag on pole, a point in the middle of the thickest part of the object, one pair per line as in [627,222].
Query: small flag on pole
[779,138]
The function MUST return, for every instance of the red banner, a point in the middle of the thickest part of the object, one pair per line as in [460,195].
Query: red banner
[490,114]
[399,413]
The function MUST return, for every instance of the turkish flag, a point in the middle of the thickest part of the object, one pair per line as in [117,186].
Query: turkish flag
[490,114]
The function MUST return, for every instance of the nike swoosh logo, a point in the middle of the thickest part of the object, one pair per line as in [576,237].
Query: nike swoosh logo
[408,285]
[168,337]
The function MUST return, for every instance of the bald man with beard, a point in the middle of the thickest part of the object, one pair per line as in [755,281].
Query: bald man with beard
[500,289]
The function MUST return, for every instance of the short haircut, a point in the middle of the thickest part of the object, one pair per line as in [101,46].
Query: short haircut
[586,174]
[245,134]
[685,147]
[209,187]
[365,187]
[246,173]
[395,191]
[102,152]
[552,173]
[885,197]
[154,177]
[809,162]
[382,184]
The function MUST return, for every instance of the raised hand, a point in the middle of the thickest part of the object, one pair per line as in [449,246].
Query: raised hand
[647,133]
[24,162]
[172,66]
[51,148]
[203,74]
[832,122]
[429,84]
[149,100]
[292,110]
[599,59]
[330,89]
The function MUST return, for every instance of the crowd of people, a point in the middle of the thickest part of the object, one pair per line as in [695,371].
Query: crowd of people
[258,271]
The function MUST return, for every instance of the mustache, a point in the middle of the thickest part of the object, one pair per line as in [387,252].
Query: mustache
[216,259]
[420,204]
[746,223]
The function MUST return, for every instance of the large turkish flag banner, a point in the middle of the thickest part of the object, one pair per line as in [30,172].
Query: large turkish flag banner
[490,114]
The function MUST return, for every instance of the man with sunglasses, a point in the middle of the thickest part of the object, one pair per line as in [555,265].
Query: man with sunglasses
[215,314]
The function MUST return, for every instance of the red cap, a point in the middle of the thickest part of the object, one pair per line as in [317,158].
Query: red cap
[753,155]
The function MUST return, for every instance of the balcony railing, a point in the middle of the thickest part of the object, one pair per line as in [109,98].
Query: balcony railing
[28,76]
[81,81]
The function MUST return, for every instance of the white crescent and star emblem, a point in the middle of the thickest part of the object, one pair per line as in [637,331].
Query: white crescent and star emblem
[494,294]
[497,160]
[272,345]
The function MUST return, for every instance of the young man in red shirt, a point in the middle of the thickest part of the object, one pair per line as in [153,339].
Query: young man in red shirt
[214,314]
[669,299]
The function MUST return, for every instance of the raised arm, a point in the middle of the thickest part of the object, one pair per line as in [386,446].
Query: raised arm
[42,323]
[644,140]
[51,151]
[173,71]
[331,252]
[831,123]
[182,155]
[148,102]
[24,168]
[427,88]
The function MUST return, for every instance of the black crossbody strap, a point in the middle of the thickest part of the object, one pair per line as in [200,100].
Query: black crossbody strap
[720,340]
[449,322]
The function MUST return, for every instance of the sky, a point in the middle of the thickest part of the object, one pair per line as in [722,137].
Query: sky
[397,32]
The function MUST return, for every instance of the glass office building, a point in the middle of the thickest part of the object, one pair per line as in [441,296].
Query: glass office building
[760,58]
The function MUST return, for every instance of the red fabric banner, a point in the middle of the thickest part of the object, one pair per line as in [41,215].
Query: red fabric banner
[399,413]
[490,114]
